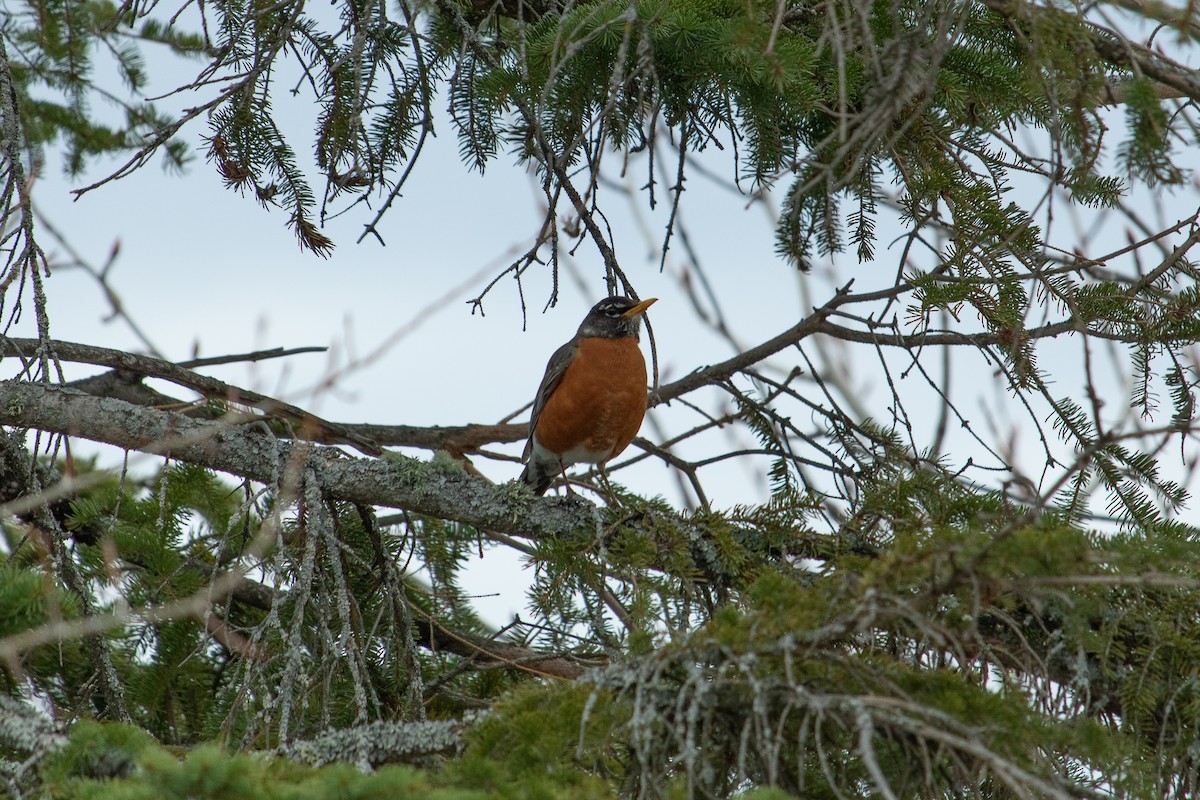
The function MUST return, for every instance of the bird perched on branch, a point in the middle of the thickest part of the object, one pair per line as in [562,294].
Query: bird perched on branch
[593,395]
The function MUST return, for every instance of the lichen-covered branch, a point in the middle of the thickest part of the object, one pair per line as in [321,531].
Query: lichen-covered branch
[438,489]
[378,743]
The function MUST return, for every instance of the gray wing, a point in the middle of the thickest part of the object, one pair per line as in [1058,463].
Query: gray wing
[550,381]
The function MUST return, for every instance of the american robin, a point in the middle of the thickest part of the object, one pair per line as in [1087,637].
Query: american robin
[593,395]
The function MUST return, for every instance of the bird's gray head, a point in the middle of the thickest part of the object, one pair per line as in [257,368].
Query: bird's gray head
[614,318]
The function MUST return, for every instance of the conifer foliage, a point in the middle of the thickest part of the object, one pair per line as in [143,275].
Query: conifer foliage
[278,609]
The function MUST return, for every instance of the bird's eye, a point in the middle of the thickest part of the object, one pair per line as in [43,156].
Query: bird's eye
[612,311]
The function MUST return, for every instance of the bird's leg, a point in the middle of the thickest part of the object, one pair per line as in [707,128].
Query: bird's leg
[562,473]
[609,492]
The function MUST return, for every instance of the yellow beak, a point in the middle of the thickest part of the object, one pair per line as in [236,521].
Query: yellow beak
[639,308]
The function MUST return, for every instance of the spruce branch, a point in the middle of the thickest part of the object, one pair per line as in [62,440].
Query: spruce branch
[24,481]
[198,605]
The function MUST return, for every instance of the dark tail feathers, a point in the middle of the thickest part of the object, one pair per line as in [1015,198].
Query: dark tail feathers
[536,479]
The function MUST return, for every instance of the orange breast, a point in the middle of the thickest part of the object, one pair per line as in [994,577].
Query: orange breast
[601,401]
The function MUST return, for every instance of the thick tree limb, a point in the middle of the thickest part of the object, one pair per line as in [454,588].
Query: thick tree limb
[453,439]
[1121,52]
[314,428]
[436,490]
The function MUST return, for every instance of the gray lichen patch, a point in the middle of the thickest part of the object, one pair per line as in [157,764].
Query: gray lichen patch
[377,743]
[22,728]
